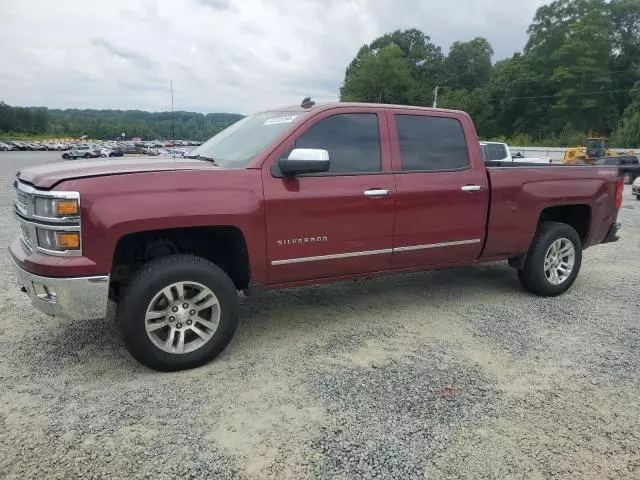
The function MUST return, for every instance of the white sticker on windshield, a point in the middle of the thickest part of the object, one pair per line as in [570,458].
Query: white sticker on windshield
[278,120]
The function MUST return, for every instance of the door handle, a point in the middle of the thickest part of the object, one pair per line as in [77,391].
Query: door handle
[471,188]
[376,192]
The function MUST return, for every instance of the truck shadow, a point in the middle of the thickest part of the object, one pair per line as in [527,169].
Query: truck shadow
[283,315]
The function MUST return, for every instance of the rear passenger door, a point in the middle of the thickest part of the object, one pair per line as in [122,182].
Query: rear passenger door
[442,191]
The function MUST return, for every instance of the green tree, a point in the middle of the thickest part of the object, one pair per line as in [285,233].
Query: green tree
[469,64]
[627,134]
[582,75]
[424,61]
[380,75]
[477,103]
[625,15]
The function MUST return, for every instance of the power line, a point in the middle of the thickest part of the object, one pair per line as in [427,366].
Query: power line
[532,79]
[561,95]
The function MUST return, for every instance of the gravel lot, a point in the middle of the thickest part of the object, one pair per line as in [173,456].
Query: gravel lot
[447,374]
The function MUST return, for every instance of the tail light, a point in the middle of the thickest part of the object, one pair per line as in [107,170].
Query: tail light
[619,191]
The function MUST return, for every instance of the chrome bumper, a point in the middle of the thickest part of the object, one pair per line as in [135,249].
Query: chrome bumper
[83,298]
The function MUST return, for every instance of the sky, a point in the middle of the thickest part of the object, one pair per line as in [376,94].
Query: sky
[222,55]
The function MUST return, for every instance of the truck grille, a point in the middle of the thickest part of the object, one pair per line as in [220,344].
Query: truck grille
[22,202]
[25,235]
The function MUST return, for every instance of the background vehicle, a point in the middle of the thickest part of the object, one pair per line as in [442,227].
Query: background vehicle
[636,188]
[6,147]
[500,152]
[594,149]
[116,152]
[81,151]
[628,166]
[291,197]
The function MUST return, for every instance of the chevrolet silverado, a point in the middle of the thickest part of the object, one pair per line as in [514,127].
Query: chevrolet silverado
[289,197]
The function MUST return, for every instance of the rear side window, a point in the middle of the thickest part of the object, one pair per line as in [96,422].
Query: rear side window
[352,140]
[496,151]
[431,143]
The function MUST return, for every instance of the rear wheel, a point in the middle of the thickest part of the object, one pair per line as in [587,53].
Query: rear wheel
[553,261]
[65,156]
[178,312]
[87,155]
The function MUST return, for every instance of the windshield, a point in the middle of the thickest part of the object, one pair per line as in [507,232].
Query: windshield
[595,143]
[237,145]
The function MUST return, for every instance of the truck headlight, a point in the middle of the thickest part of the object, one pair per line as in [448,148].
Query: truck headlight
[56,207]
[58,240]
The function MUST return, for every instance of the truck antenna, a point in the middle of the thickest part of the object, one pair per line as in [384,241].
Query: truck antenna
[173,129]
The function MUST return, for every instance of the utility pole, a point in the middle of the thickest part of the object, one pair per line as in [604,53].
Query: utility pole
[435,97]
[173,130]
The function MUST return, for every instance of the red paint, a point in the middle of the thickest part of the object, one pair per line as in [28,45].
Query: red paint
[125,196]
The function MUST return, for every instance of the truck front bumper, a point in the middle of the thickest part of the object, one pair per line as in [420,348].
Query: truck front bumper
[78,298]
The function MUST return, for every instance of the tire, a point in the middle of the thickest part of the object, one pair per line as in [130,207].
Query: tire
[637,197]
[147,284]
[65,156]
[87,155]
[533,276]
[628,178]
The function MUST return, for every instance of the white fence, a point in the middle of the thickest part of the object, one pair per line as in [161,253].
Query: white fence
[551,152]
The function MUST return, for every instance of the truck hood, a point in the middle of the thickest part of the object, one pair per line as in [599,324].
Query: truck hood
[50,174]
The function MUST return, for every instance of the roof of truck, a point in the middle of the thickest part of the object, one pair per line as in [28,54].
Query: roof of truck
[330,105]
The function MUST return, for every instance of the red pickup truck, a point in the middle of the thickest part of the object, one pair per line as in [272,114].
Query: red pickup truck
[290,197]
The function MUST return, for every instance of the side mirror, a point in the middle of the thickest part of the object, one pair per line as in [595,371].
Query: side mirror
[304,160]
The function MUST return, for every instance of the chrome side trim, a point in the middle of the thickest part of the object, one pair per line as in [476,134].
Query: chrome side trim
[331,257]
[375,252]
[437,245]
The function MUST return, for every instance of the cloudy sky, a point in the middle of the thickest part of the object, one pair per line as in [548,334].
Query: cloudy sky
[222,55]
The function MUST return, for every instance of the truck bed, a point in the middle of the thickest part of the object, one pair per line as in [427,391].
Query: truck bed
[519,196]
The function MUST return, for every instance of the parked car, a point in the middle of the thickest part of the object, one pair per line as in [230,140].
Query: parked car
[635,189]
[291,197]
[81,151]
[116,152]
[128,148]
[628,166]
[5,147]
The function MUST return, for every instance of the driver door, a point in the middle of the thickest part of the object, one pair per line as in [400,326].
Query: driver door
[337,223]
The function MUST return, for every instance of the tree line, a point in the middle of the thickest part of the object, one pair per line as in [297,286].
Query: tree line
[577,75]
[110,124]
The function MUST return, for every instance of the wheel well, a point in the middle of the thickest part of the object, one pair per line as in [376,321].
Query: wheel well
[578,216]
[223,245]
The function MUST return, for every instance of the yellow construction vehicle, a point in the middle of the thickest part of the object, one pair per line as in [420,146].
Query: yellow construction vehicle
[595,148]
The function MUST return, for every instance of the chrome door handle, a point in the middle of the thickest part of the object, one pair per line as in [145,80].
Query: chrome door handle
[471,188]
[376,192]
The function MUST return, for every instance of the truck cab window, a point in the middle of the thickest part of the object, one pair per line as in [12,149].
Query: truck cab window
[431,143]
[352,140]
[496,151]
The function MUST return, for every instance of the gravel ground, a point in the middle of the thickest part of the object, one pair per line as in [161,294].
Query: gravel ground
[447,374]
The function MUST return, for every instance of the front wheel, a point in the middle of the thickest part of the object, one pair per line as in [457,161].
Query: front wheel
[65,156]
[87,155]
[553,261]
[178,312]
